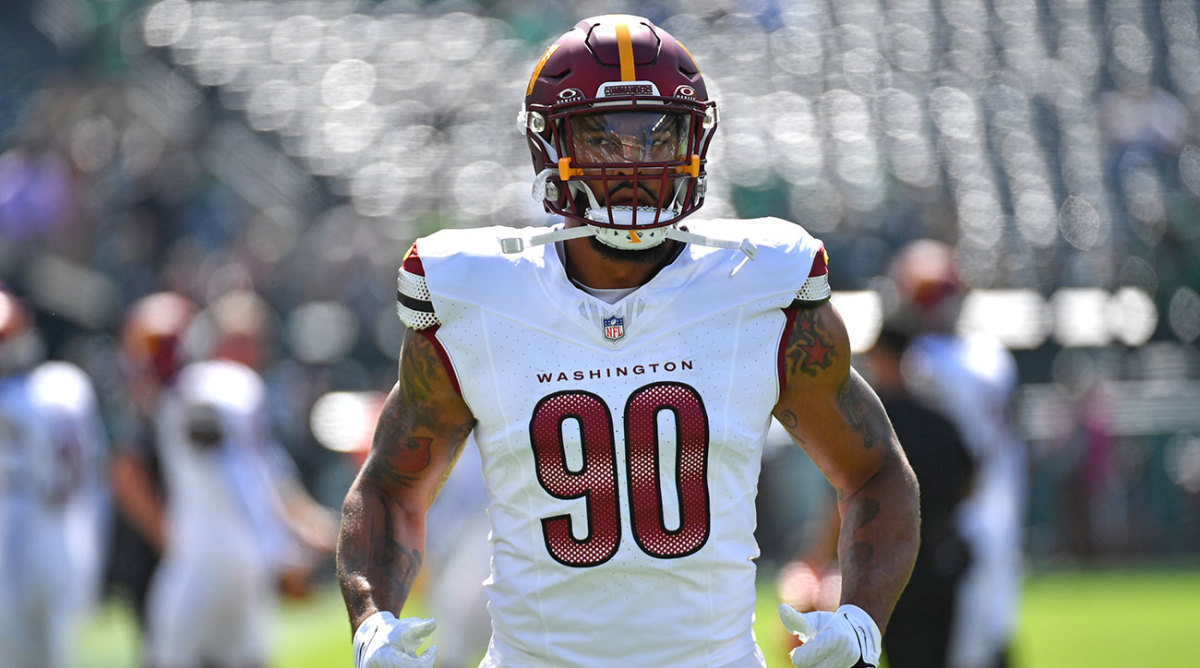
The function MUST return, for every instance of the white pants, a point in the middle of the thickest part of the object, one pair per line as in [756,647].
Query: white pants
[989,594]
[210,610]
[37,611]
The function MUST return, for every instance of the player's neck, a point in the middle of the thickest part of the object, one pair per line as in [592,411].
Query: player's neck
[591,267]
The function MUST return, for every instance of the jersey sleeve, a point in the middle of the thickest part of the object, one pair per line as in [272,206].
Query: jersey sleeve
[815,289]
[413,303]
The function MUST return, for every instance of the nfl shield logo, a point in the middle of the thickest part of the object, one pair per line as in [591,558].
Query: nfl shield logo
[614,328]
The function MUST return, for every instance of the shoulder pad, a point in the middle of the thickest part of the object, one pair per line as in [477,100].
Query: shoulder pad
[816,286]
[413,303]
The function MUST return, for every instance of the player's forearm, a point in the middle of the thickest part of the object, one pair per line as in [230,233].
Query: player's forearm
[137,499]
[379,553]
[879,539]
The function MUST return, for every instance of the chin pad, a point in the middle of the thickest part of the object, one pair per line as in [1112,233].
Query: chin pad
[630,239]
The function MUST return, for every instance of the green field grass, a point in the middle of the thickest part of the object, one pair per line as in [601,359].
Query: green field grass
[1111,619]
[1098,619]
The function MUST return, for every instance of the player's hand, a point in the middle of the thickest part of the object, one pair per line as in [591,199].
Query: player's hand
[382,641]
[847,638]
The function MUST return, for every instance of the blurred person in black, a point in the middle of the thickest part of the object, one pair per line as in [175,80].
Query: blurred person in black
[919,632]
[970,378]
[150,357]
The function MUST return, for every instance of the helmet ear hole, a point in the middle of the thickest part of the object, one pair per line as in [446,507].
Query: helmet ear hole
[536,122]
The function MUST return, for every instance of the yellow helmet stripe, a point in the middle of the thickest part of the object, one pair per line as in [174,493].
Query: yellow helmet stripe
[625,51]
[537,69]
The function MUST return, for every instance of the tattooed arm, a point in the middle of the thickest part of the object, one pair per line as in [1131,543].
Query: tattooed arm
[420,433]
[840,422]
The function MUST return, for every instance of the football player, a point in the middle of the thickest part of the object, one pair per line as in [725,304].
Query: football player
[151,354]
[619,372]
[53,497]
[971,379]
[231,501]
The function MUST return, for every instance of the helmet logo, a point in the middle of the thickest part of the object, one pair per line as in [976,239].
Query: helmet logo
[627,89]
[570,94]
[686,92]
[614,328]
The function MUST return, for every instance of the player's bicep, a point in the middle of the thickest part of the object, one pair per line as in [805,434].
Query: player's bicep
[422,425]
[827,406]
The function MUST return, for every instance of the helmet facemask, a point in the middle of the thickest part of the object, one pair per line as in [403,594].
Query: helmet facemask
[629,168]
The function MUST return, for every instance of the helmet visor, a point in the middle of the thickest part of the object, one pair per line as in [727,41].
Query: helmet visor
[629,137]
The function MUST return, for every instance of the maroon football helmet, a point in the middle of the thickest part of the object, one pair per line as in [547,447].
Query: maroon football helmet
[20,347]
[152,337]
[929,288]
[619,104]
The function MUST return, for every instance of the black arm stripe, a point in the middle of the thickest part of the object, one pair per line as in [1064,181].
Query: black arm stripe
[413,303]
[807,303]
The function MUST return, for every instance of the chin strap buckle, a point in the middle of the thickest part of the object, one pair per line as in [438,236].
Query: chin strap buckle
[511,245]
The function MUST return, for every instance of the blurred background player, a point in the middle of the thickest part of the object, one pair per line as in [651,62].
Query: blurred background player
[53,498]
[239,325]
[151,354]
[971,379]
[919,631]
[236,524]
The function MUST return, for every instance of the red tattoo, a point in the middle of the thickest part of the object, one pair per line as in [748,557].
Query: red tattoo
[818,353]
[809,350]
[413,456]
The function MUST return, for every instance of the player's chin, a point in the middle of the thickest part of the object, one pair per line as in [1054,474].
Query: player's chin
[651,256]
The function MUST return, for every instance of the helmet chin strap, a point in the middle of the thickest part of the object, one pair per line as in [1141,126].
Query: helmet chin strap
[623,239]
[511,245]
[516,244]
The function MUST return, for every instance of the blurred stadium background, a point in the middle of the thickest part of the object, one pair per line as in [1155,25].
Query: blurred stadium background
[297,147]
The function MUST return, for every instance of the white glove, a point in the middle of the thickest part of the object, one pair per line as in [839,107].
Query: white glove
[847,638]
[382,641]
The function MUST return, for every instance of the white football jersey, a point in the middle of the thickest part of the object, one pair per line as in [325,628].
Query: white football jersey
[78,479]
[52,509]
[621,442]
[212,596]
[222,502]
